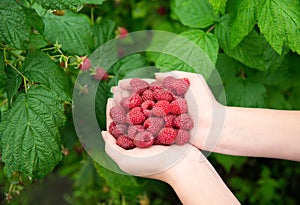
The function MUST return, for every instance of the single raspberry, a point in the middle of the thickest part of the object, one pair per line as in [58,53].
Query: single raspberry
[85,63]
[118,114]
[133,130]
[168,81]
[183,136]
[147,95]
[163,94]
[166,136]
[161,10]
[117,129]
[135,116]
[100,74]
[123,32]
[125,142]
[154,125]
[147,107]
[135,101]
[161,108]
[169,120]
[180,86]
[179,106]
[156,85]
[183,121]
[143,139]
[138,85]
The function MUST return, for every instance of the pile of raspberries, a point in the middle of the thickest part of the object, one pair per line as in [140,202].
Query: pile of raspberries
[154,114]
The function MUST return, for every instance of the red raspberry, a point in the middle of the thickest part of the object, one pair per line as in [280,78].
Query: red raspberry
[138,85]
[166,136]
[135,101]
[161,108]
[179,106]
[180,86]
[135,116]
[147,95]
[133,130]
[153,124]
[143,139]
[183,121]
[183,136]
[169,120]
[117,129]
[161,10]
[118,114]
[163,94]
[168,81]
[100,74]
[85,63]
[147,107]
[125,142]
[156,85]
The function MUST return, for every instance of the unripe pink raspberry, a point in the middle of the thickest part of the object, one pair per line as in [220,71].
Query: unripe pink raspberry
[100,74]
[85,63]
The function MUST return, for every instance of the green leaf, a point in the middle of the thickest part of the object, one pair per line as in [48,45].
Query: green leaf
[34,20]
[103,31]
[13,25]
[245,93]
[123,184]
[244,20]
[253,51]
[129,64]
[38,67]
[71,30]
[96,2]
[294,98]
[37,41]
[279,21]
[195,13]
[59,4]
[197,54]
[30,138]
[206,41]
[14,81]
[228,162]
[227,67]
[277,100]
[3,77]
[218,5]
[100,104]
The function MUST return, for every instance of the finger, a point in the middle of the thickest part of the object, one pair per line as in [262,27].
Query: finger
[111,148]
[124,84]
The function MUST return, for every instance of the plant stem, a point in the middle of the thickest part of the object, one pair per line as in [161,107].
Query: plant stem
[92,16]
[23,76]
[211,28]
[3,102]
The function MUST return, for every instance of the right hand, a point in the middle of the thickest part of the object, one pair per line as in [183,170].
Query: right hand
[206,112]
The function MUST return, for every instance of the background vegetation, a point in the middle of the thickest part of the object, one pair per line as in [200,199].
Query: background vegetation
[255,45]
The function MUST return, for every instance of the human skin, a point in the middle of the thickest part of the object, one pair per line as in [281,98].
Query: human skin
[250,132]
[242,131]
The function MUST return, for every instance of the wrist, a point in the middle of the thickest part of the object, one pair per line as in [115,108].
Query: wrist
[211,128]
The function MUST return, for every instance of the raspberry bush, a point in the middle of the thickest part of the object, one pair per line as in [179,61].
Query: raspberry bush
[44,44]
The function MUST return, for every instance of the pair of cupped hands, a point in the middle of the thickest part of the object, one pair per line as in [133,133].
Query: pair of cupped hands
[156,161]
